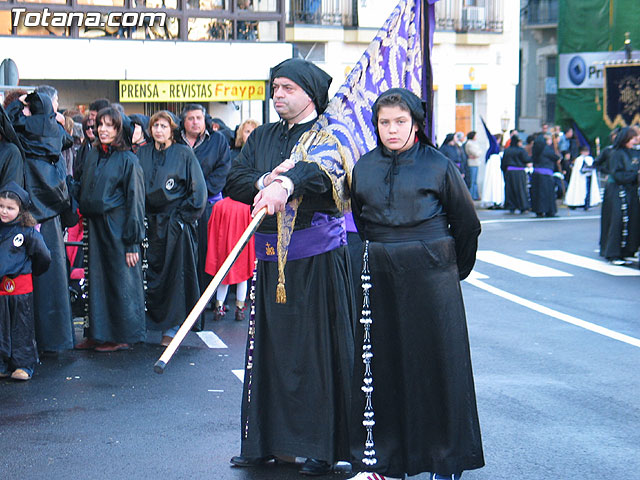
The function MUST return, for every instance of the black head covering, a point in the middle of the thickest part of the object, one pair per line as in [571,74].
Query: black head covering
[42,133]
[7,132]
[313,80]
[416,106]
[143,121]
[620,138]
[447,139]
[22,194]
[514,141]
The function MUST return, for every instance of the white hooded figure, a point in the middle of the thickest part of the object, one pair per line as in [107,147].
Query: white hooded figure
[583,182]
[493,185]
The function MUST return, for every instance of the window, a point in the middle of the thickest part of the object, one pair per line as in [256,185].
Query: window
[209,29]
[313,52]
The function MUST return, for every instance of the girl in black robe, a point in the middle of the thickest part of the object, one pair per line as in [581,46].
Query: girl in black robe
[514,161]
[413,396]
[620,221]
[545,162]
[111,198]
[176,194]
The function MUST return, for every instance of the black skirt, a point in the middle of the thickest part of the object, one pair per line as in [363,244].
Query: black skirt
[612,221]
[296,393]
[423,396]
[516,196]
[543,196]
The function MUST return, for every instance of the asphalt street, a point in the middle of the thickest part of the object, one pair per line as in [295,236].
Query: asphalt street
[555,343]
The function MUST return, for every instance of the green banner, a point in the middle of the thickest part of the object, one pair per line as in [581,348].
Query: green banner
[592,26]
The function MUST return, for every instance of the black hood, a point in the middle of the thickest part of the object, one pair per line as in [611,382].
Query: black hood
[416,106]
[313,80]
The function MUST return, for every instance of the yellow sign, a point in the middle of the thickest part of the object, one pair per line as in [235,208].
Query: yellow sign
[191,91]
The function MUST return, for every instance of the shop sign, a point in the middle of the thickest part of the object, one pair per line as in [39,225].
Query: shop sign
[191,91]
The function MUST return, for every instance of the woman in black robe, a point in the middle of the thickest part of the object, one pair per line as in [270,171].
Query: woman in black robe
[176,194]
[545,162]
[34,120]
[514,161]
[418,410]
[111,198]
[620,221]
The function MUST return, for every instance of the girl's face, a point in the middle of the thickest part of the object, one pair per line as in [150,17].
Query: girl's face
[106,131]
[396,129]
[161,131]
[246,131]
[9,210]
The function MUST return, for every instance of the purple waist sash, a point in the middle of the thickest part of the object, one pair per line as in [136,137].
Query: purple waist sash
[326,233]
[543,171]
[215,198]
[514,169]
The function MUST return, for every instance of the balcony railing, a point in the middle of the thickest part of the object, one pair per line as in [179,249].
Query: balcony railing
[542,12]
[459,16]
[321,12]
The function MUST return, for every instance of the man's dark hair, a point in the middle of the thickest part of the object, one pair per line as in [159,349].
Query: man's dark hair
[190,107]
[99,104]
[119,143]
[119,107]
[471,135]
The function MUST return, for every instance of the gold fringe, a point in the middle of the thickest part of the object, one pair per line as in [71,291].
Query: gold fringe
[281,293]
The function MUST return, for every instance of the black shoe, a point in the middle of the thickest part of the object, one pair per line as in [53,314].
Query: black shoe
[315,467]
[241,461]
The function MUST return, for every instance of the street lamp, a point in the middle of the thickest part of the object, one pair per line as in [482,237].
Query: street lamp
[504,124]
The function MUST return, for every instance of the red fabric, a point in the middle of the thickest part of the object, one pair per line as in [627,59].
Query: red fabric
[229,219]
[16,286]
[74,234]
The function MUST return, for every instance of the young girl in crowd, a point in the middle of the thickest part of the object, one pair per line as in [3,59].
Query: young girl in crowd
[22,252]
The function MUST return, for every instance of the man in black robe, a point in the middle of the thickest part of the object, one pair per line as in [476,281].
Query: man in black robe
[212,151]
[299,353]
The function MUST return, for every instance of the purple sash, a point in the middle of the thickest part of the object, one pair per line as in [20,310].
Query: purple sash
[351,225]
[513,169]
[326,233]
[543,171]
[215,198]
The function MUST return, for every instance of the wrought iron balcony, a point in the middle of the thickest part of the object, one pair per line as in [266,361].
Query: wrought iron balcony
[458,16]
[542,12]
[321,12]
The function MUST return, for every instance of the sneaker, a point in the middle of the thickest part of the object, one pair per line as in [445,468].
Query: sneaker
[240,313]
[22,374]
[372,476]
[4,372]
[437,476]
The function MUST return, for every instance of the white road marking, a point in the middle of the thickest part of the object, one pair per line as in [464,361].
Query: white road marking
[239,374]
[216,391]
[586,262]
[529,269]
[534,219]
[555,314]
[211,339]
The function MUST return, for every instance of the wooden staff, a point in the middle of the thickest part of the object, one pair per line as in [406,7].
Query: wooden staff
[198,308]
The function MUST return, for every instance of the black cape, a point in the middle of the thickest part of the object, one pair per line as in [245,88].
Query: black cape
[111,197]
[418,215]
[543,196]
[621,190]
[176,195]
[516,195]
[296,394]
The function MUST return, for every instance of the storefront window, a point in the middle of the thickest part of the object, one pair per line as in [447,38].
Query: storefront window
[209,29]
[267,32]
[207,4]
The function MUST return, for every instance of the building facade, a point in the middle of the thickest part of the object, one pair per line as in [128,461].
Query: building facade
[222,49]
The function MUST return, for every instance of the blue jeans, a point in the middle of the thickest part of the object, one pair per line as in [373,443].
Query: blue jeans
[473,189]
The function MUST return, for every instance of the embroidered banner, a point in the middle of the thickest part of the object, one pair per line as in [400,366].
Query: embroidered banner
[621,95]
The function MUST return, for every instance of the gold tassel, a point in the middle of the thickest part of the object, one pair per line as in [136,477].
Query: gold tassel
[281,293]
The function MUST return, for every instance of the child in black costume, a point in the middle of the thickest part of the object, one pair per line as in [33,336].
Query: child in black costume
[22,252]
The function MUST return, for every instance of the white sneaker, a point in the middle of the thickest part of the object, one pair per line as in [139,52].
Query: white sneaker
[372,476]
